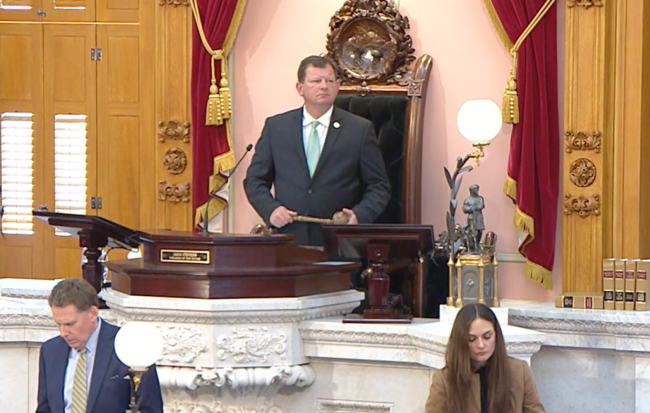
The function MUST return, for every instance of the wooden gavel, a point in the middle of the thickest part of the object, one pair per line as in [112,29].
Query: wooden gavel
[339,218]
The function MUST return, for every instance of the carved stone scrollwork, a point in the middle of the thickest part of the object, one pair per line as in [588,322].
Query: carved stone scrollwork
[175,193]
[174,3]
[253,344]
[199,389]
[582,205]
[582,141]
[369,43]
[182,344]
[174,130]
[582,172]
[175,161]
[584,3]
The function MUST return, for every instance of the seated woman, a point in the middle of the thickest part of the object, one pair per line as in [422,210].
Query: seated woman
[479,375]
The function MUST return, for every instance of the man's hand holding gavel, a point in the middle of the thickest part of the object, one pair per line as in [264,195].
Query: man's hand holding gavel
[282,216]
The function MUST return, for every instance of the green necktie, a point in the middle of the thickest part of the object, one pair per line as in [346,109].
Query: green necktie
[79,393]
[313,148]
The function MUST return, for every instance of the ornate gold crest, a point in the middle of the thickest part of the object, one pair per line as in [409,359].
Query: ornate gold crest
[369,43]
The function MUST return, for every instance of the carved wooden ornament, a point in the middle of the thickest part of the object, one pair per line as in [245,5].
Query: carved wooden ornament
[369,43]
[174,130]
[582,205]
[584,3]
[175,161]
[582,141]
[582,172]
[175,193]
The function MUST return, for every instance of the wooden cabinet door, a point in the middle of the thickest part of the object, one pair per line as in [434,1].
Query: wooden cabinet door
[21,155]
[20,10]
[69,162]
[124,144]
[117,10]
[69,10]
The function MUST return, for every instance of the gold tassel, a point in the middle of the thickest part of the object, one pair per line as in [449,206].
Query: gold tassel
[510,106]
[213,108]
[226,100]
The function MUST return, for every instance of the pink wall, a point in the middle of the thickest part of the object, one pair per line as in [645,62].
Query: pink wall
[469,63]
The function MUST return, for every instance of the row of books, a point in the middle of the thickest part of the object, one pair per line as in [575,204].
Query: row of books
[625,284]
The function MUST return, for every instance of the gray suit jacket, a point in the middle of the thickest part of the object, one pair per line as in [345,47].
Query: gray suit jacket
[350,172]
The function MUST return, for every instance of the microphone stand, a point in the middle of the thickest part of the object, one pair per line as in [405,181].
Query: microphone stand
[213,194]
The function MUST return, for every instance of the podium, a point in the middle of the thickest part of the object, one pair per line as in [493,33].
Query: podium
[382,244]
[198,265]
[94,233]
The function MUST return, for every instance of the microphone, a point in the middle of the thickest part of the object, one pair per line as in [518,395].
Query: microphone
[213,194]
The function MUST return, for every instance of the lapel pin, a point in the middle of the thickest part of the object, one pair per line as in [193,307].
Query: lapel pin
[336,125]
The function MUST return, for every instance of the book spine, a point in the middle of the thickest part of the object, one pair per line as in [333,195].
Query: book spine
[642,268]
[630,275]
[608,284]
[619,285]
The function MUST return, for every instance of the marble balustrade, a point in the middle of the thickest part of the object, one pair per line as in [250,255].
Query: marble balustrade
[295,355]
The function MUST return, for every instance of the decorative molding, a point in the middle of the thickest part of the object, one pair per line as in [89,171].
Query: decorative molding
[415,88]
[250,390]
[582,141]
[175,193]
[182,344]
[356,337]
[368,41]
[582,205]
[328,405]
[7,320]
[577,326]
[241,378]
[174,130]
[230,317]
[251,345]
[175,161]
[582,172]
[174,3]
[584,3]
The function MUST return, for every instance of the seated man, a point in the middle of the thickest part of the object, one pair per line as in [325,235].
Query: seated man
[320,160]
[79,370]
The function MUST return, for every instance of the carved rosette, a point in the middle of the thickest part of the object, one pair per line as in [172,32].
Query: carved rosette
[174,3]
[582,141]
[175,193]
[369,43]
[174,130]
[582,205]
[182,344]
[175,161]
[584,3]
[582,172]
[251,345]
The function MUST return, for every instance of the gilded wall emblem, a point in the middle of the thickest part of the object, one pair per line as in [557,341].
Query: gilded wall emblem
[369,43]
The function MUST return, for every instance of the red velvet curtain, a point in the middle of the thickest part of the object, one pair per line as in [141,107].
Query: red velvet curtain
[208,142]
[533,164]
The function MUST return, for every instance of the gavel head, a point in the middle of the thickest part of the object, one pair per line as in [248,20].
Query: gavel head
[340,218]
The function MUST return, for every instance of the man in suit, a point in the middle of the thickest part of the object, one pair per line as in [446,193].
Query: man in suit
[346,174]
[87,340]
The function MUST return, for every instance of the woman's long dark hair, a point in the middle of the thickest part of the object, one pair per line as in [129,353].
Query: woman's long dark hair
[460,368]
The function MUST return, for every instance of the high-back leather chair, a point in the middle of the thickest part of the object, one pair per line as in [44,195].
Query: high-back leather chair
[379,81]
[383,81]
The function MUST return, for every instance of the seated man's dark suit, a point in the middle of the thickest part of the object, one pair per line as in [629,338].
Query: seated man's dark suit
[350,173]
[109,392]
